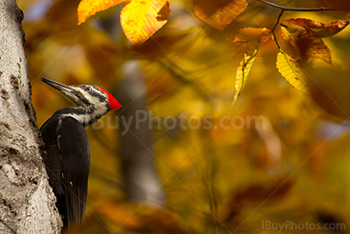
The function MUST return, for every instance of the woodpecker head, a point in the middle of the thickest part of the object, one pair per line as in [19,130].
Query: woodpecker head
[92,98]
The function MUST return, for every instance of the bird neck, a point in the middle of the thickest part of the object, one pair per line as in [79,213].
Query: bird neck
[85,116]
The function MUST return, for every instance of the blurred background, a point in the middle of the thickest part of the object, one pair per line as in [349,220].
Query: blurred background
[179,157]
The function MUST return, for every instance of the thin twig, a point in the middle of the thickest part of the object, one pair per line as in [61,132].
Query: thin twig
[274,27]
[278,20]
[299,8]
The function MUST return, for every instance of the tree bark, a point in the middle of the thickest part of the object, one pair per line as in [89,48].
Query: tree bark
[27,203]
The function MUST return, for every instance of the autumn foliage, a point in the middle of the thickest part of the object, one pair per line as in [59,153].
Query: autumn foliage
[141,19]
[249,102]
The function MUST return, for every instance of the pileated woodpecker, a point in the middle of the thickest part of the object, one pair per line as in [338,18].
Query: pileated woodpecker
[68,155]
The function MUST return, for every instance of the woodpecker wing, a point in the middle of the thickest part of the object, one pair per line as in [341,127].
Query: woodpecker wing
[75,164]
[67,164]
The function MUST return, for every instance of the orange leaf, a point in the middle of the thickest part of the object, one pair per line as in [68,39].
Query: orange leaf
[88,8]
[319,49]
[220,13]
[317,29]
[308,46]
[291,37]
[253,34]
[140,19]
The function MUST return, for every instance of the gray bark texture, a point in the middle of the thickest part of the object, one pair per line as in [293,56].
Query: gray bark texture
[27,203]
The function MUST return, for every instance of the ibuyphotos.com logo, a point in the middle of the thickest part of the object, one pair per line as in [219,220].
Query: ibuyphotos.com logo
[142,119]
[290,225]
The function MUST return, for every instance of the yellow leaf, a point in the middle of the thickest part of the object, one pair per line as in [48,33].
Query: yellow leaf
[88,8]
[140,19]
[242,72]
[292,72]
[288,36]
[318,29]
[218,14]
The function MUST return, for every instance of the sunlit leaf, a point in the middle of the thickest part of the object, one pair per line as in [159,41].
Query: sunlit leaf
[292,72]
[220,13]
[140,19]
[318,29]
[242,72]
[88,8]
[288,37]
[253,34]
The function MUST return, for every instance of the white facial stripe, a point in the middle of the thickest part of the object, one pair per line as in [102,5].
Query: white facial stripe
[96,89]
[82,118]
[88,96]
[88,117]
[92,99]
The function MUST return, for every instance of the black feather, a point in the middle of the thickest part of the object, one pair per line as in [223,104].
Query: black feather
[67,164]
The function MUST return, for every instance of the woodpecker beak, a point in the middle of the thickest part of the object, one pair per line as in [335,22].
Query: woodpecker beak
[60,87]
[68,91]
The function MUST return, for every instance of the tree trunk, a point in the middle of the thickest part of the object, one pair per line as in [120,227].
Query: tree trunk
[141,181]
[140,177]
[27,204]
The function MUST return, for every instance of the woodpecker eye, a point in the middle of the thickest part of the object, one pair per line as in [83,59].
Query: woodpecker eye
[88,89]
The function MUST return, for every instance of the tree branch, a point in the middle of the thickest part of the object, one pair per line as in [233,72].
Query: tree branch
[274,27]
[297,8]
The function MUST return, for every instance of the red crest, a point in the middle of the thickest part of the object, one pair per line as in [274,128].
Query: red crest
[113,103]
